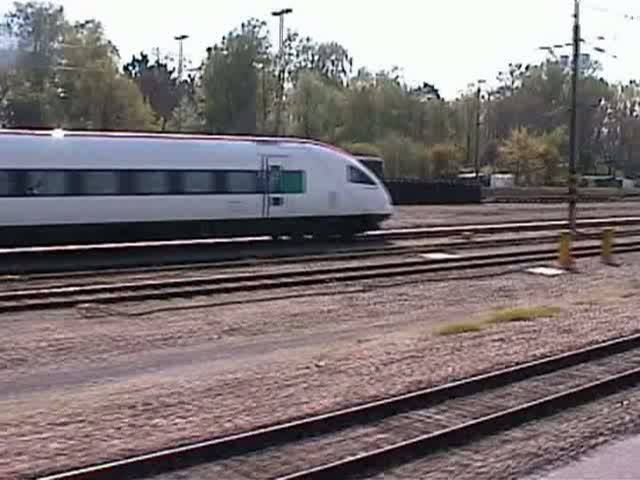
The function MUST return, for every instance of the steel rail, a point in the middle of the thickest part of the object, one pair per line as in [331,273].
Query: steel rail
[13,255]
[336,255]
[217,449]
[62,297]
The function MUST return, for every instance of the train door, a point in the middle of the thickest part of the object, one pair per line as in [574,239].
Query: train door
[274,203]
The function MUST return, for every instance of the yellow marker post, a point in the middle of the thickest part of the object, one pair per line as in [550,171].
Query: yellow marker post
[607,246]
[564,253]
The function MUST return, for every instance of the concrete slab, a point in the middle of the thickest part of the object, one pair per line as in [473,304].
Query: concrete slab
[546,271]
[617,461]
[439,256]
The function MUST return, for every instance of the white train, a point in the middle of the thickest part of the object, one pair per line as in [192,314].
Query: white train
[60,187]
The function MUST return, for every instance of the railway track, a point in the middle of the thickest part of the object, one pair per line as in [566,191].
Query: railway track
[365,439]
[561,199]
[119,257]
[144,290]
[80,278]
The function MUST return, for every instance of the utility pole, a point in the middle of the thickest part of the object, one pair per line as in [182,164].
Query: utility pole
[180,39]
[477,145]
[476,155]
[281,67]
[573,126]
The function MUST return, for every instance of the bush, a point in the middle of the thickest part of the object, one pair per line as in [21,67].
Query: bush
[403,157]
[363,149]
[445,159]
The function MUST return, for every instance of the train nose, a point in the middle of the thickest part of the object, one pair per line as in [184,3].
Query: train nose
[388,200]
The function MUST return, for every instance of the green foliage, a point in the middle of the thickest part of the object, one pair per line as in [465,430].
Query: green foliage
[364,149]
[230,79]
[460,328]
[156,81]
[509,315]
[185,117]
[330,60]
[445,159]
[123,107]
[67,75]
[310,105]
[100,97]
[534,159]
[403,156]
[523,314]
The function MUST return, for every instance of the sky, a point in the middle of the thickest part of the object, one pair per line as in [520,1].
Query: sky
[449,43]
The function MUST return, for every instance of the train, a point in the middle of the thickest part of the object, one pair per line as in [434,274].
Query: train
[60,187]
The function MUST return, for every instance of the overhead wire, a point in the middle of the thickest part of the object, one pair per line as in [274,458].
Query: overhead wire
[634,17]
[614,39]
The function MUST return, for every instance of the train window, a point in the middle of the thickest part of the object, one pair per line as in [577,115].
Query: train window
[148,182]
[355,175]
[242,182]
[198,182]
[275,179]
[100,183]
[45,183]
[293,181]
[5,184]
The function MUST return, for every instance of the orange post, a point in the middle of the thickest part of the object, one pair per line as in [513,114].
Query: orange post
[565,259]
[607,246]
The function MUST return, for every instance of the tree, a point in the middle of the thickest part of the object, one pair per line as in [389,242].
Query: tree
[185,117]
[307,100]
[123,107]
[230,79]
[426,91]
[330,59]
[158,85]
[66,75]
[39,29]
[5,89]
[403,156]
[445,159]
[625,118]
[31,96]
[534,159]
[96,95]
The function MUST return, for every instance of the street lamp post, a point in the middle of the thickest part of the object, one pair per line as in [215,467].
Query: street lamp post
[573,126]
[180,39]
[280,14]
[477,144]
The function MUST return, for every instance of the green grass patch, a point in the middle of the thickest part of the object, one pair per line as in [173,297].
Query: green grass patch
[522,314]
[498,317]
[458,328]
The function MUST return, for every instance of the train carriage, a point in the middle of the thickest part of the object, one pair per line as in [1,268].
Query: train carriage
[88,187]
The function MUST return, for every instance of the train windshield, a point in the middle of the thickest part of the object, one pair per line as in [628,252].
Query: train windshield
[356,175]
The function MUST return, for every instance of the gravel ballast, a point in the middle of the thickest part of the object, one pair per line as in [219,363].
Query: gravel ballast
[81,385]
[406,216]
[533,450]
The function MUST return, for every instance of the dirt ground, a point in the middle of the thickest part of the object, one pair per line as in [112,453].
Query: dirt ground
[88,384]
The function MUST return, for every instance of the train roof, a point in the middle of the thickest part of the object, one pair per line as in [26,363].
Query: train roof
[60,133]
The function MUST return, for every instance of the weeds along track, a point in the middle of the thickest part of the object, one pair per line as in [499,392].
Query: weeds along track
[143,290]
[365,439]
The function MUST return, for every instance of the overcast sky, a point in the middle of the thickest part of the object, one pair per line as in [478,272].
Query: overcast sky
[446,42]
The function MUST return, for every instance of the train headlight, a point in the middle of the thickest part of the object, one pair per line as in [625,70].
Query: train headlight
[57,133]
